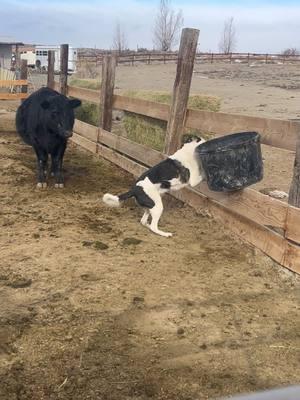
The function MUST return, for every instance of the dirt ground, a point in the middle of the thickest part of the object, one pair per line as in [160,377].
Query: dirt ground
[93,306]
[261,90]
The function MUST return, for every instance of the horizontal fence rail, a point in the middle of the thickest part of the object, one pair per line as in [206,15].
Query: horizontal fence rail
[274,132]
[269,224]
[252,215]
[14,82]
[12,88]
[13,96]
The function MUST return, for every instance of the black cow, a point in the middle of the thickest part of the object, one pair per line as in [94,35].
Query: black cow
[45,121]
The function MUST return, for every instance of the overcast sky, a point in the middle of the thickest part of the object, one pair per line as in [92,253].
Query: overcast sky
[261,26]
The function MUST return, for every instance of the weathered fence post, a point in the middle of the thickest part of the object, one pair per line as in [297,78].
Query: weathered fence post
[294,193]
[18,58]
[107,91]
[63,78]
[181,89]
[50,72]
[23,75]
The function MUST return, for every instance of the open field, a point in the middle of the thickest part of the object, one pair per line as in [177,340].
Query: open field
[94,306]
[261,90]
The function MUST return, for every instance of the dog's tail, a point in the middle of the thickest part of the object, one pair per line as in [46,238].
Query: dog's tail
[115,201]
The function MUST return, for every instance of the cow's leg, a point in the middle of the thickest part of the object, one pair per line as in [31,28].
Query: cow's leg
[56,168]
[42,162]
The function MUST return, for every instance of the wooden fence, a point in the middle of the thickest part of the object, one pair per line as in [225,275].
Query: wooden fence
[14,89]
[152,57]
[269,224]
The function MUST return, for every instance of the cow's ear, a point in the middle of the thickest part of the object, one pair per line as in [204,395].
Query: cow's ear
[75,103]
[45,104]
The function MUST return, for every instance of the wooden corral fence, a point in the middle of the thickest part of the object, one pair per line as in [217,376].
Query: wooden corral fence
[12,88]
[151,57]
[267,223]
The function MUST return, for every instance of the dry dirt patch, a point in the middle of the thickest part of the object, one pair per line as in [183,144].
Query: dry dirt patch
[93,306]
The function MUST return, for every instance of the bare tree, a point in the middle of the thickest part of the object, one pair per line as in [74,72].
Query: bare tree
[292,51]
[119,41]
[167,26]
[228,37]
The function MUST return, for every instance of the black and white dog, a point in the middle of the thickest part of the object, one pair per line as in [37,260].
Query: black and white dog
[174,173]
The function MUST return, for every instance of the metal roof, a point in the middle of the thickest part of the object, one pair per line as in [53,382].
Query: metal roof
[9,40]
[11,43]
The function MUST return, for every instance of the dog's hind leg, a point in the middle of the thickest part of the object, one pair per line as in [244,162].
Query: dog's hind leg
[156,212]
[144,219]
[147,195]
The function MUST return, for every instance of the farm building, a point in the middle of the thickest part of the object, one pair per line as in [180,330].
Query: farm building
[7,45]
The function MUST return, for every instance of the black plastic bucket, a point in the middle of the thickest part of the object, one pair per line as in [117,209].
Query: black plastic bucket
[231,162]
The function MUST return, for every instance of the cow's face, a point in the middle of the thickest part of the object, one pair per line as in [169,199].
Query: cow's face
[59,114]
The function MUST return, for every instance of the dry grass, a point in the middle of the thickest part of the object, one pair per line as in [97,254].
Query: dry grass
[198,102]
[87,70]
[141,129]
[88,112]
[86,83]
[151,132]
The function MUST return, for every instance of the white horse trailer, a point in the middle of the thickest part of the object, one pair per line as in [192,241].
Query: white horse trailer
[29,56]
[41,57]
